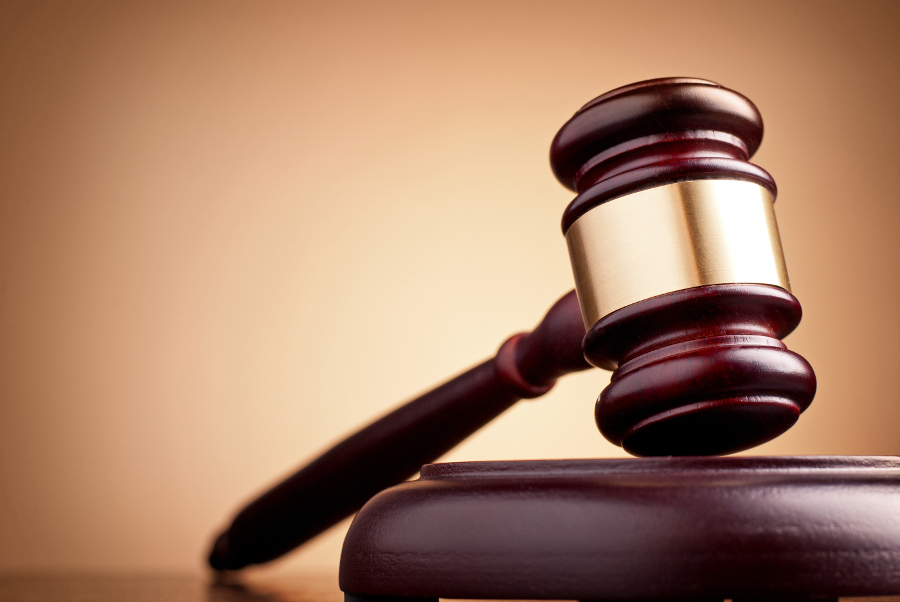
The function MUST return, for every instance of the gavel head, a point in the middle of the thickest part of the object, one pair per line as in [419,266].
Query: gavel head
[679,269]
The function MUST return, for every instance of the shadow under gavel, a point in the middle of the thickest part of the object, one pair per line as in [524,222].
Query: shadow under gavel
[393,448]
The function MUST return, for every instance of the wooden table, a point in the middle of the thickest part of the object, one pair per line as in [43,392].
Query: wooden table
[87,587]
[96,587]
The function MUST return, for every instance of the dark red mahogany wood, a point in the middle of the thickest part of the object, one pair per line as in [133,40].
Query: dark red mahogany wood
[696,371]
[652,133]
[648,529]
[392,449]
[699,371]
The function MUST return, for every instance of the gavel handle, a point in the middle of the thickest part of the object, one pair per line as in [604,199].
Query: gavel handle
[391,449]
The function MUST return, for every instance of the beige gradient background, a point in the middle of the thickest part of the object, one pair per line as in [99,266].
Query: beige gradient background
[231,233]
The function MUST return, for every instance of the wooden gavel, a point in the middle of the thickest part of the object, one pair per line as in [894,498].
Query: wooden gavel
[683,292]
[393,448]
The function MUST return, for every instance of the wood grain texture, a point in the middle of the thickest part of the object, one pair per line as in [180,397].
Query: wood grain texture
[639,529]
[168,587]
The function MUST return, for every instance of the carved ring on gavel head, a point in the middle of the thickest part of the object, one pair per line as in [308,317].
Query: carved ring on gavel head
[679,269]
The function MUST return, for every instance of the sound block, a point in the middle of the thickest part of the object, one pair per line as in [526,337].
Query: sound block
[674,528]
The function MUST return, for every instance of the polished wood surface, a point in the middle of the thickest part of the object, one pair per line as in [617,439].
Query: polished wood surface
[656,132]
[162,587]
[699,371]
[776,528]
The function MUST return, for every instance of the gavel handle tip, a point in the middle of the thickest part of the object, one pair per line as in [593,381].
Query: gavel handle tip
[220,558]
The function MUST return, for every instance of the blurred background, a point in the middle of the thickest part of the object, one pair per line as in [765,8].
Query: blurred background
[232,233]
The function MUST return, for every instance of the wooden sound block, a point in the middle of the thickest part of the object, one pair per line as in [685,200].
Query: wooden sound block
[642,529]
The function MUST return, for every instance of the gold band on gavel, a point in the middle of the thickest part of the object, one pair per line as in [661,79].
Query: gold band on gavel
[674,237]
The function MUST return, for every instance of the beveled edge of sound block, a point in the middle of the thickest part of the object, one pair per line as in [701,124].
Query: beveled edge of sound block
[654,528]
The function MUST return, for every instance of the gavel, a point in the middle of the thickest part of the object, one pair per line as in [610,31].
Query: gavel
[682,291]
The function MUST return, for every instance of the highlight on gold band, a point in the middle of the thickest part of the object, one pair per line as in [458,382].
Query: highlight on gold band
[674,237]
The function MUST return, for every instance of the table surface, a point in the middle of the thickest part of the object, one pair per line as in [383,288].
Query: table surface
[85,587]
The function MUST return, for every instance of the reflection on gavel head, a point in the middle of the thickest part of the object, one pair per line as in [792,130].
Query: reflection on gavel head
[679,269]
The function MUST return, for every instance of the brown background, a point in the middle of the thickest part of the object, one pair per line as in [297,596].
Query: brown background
[231,232]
